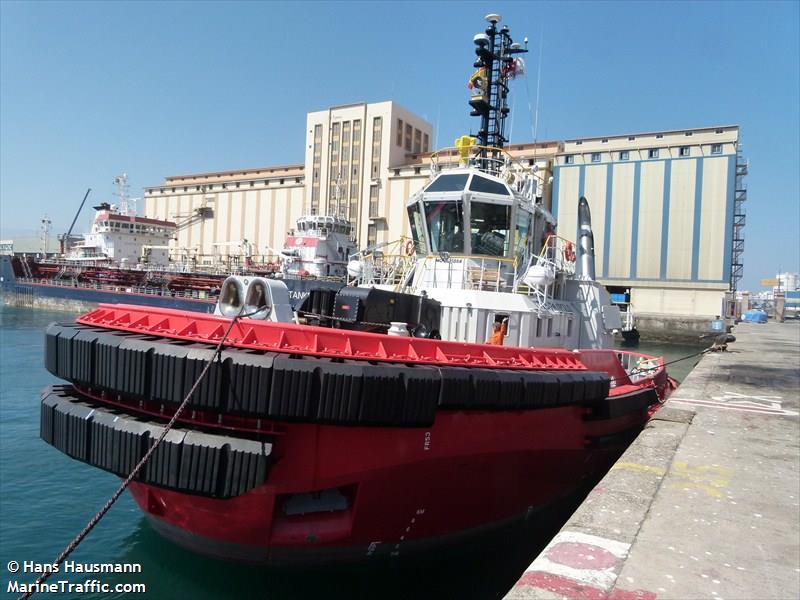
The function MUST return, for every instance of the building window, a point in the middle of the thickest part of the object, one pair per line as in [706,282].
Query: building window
[652,153]
[399,140]
[373,202]
[595,157]
[683,151]
[417,141]
[355,175]
[659,136]
[409,132]
[624,155]
[716,148]
[631,138]
[372,234]
[425,143]
[569,159]
[377,126]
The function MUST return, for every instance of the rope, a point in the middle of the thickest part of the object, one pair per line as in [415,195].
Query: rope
[657,367]
[101,513]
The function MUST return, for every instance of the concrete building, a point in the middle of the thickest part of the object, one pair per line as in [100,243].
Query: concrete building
[229,213]
[349,153]
[667,207]
[667,214]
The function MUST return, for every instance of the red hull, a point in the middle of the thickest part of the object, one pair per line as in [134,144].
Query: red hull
[326,487]
[406,488]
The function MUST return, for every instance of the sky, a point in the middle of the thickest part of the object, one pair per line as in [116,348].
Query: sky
[89,90]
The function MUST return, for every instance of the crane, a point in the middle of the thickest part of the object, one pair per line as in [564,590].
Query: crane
[64,239]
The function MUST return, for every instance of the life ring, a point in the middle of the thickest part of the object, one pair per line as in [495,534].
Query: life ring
[409,248]
[569,252]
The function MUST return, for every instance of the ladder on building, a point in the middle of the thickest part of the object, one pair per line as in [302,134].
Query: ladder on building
[739,198]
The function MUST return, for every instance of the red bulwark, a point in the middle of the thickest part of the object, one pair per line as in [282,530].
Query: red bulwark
[322,341]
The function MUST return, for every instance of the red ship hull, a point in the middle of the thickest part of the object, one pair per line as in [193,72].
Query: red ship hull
[340,491]
[406,489]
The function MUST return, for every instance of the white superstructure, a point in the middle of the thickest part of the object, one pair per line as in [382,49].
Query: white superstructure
[485,248]
[124,239]
[319,247]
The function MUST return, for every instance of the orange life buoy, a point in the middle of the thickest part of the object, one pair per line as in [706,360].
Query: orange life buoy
[569,252]
[409,247]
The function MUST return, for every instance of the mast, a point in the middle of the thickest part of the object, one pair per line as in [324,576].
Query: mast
[121,181]
[496,65]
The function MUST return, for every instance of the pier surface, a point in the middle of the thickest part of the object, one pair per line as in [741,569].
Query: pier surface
[706,502]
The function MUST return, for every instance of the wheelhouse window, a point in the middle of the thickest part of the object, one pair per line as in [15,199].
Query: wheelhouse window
[488,186]
[417,225]
[448,183]
[445,222]
[489,225]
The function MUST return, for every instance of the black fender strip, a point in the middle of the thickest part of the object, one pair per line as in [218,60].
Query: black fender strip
[188,461]
[299,388]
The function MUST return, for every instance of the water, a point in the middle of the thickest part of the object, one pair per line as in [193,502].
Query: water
[46,498]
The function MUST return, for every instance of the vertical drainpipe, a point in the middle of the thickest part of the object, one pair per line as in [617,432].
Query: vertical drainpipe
[359,218]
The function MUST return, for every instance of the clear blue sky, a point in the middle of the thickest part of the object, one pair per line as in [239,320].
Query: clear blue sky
[89,90]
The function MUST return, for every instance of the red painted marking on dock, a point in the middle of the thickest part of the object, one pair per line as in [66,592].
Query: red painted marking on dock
[573,590]
[562,585]
[581,556]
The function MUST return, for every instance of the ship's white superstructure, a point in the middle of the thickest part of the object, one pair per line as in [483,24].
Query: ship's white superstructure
[124,239]
[485,248]
[318,247]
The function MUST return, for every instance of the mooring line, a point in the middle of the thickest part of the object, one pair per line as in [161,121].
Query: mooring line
[36,585]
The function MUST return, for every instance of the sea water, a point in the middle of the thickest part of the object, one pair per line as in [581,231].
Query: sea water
[46,498]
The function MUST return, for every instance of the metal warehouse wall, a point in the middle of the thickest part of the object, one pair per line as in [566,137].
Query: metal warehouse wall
[662,211]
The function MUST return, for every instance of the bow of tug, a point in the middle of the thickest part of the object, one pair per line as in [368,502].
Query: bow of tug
[310,445]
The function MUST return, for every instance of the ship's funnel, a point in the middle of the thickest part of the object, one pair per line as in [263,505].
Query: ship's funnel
[585,241]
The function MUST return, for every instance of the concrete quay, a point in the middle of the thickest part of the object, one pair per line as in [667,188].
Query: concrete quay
[706,502]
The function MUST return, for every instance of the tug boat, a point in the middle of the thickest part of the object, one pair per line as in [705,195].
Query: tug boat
[372,437]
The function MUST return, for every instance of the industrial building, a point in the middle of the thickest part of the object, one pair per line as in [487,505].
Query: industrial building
[667,206]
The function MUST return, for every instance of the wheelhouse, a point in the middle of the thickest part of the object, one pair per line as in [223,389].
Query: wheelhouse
[465,211]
